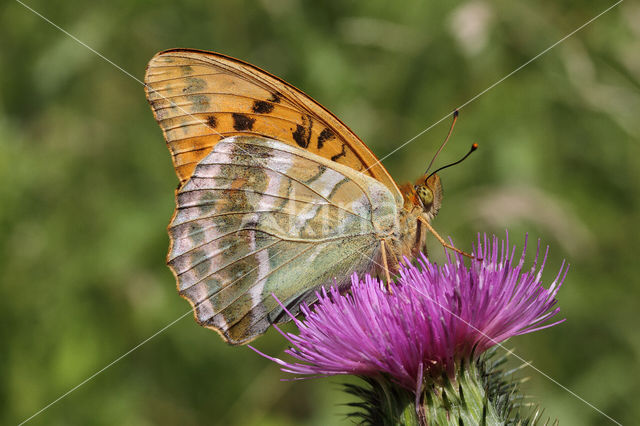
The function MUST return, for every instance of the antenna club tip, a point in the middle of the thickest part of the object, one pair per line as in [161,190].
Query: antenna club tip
[456,113]
[474,146]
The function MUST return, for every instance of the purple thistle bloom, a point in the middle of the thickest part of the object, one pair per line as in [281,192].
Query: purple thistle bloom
[426,323]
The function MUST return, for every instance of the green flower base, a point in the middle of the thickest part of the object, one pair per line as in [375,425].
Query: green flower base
[481,393]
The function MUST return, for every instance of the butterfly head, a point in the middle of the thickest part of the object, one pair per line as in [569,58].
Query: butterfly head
[428,194]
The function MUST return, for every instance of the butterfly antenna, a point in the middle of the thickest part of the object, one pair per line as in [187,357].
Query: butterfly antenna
[453,123]
[473,148]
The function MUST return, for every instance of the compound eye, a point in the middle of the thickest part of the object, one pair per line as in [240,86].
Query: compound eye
[426,196]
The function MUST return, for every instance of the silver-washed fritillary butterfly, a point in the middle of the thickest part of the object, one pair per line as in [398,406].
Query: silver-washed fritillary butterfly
[276,196]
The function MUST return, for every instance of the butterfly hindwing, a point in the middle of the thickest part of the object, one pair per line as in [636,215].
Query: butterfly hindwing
[259,217]
[199,98]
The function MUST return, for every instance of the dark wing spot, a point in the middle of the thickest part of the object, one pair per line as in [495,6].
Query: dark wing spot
[262,107]
[326,134]
[302,135]
[275,97]
[299,136]
[212,122]
[242,122]
[340,154]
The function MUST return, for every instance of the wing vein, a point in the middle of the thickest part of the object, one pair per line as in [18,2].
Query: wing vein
[182,77]
[305,185]
[205,259]
[266,297]
[262,279]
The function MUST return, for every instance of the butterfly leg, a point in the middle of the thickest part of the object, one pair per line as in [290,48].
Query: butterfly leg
[383,248]
[441,240]
[394,259]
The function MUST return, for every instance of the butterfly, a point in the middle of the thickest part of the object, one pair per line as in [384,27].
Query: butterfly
[277,197]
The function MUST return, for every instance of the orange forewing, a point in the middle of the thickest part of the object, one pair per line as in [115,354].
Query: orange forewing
[200,97]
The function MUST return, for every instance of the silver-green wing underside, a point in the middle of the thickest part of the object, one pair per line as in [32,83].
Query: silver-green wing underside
[260,217]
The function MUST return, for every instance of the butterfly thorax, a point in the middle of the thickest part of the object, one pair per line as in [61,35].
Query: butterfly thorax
[422,200]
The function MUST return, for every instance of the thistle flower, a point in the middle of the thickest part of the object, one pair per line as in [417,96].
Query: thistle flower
[426,327]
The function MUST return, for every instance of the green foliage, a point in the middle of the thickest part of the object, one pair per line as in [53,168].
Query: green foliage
[87,190]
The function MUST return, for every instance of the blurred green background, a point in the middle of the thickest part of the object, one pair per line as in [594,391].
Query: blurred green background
[87,190]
